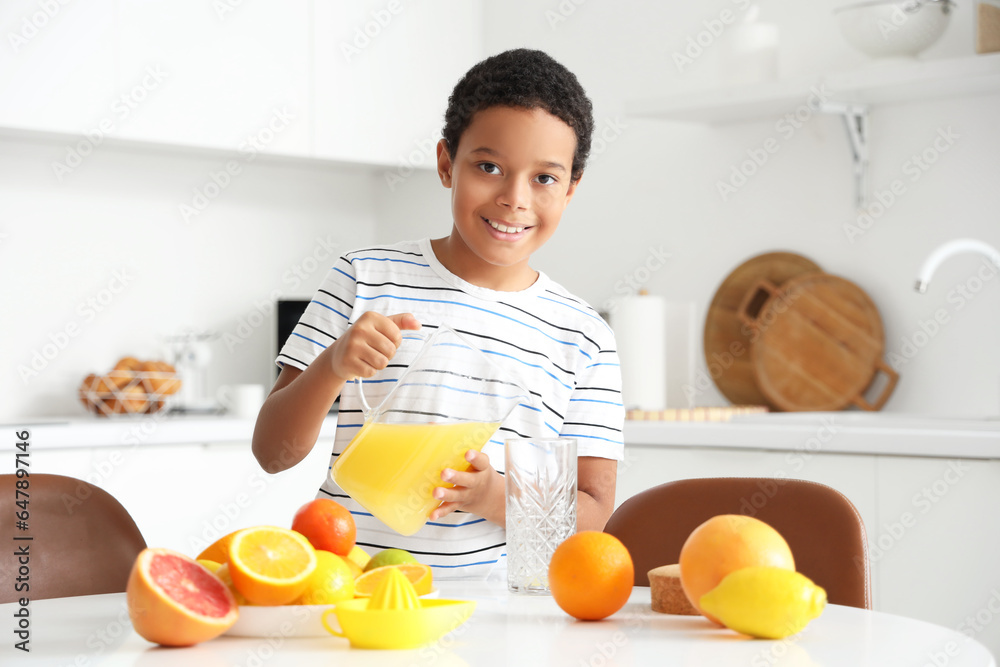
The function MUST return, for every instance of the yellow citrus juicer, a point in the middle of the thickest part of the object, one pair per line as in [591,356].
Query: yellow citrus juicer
[394,617]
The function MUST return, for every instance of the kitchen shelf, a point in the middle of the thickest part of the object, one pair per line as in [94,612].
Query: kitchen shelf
[65,139]
[849,94]
[876,84]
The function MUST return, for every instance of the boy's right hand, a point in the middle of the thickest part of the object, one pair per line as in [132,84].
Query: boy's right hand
[368,344]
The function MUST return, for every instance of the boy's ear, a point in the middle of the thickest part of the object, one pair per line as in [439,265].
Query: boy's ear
[571,190]
[444,163]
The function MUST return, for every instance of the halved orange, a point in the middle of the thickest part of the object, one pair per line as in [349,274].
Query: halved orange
[418,574]
[270,565]
[174,601]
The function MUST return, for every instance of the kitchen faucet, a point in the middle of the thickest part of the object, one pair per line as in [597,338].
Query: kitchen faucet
[946,250]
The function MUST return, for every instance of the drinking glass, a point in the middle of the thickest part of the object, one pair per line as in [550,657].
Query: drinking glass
[541,507]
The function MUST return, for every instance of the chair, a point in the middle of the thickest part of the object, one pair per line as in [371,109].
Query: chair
[84,541]
[822,527]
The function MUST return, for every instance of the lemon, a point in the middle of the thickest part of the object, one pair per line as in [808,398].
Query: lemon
[359,556]
[223,574]
[767,602]
[211,565]
[389,557]
[331,581]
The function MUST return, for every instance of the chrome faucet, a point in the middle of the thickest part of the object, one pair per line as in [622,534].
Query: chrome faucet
[946,250]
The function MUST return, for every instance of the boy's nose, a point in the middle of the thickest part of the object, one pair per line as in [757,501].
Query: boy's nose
[515,195]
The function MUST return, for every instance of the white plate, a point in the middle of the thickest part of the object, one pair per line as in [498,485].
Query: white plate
[290,620]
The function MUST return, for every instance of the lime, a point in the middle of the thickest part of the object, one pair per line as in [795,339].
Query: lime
[389,557]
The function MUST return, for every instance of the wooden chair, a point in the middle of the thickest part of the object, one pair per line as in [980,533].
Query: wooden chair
[84,541]
[822,527]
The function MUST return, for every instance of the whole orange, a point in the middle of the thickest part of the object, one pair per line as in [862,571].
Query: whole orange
[724,544]
[327,525]
[591,575]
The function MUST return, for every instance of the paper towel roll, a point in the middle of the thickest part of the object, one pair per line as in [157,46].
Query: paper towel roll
[639,323]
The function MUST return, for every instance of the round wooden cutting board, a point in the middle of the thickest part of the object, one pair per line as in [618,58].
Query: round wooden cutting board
[818,344]
[727,339]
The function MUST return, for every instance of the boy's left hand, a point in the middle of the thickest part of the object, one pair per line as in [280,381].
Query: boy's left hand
[479,491]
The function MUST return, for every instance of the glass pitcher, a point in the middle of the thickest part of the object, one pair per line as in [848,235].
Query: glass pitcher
[451,398]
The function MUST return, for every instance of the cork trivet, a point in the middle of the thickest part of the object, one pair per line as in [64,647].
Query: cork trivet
[666,591]
[987,28]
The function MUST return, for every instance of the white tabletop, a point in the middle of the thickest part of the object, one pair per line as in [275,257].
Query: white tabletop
[504,630]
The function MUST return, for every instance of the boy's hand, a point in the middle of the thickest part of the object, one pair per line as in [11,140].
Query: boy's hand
[479,491]
[368,344]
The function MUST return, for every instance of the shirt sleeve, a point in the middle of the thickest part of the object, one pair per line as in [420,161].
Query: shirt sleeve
[596,414]
[324,320]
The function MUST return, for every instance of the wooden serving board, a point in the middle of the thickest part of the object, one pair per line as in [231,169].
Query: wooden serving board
[818,344]
[726,338]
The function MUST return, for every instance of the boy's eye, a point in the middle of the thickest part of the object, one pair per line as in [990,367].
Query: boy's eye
[545,179]
[489,167]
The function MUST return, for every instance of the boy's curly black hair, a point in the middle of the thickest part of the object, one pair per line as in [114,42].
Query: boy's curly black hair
[522,78]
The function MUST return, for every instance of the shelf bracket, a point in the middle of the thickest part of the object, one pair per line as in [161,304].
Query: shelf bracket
[856,122]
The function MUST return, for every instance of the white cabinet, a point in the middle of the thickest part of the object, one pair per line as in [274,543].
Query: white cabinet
[937,543]
[383,72]
[851,474]
[933,534]
[230,75]
[57,71]
[185,496]
[362,82]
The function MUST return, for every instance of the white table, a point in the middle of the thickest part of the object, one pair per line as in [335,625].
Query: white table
[504,630]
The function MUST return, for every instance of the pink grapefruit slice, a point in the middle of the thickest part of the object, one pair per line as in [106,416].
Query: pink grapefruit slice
[175,601]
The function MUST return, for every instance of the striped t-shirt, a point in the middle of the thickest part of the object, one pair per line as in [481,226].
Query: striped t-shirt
[559,347]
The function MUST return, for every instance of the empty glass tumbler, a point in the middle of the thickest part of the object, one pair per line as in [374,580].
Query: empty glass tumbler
[541,507]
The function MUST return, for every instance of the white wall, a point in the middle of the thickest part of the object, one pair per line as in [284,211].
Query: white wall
[272,232]
[655,185]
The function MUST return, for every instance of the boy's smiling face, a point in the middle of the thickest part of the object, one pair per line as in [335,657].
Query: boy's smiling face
[510,182]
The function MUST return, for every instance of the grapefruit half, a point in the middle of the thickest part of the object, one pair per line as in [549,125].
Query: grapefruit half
[175,601]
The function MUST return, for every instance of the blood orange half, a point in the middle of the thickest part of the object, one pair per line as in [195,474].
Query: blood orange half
[175,601]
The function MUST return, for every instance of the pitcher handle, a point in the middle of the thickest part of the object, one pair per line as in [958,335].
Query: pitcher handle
[361,392]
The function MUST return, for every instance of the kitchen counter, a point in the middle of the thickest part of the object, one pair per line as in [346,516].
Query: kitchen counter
[832,432]
[80,432]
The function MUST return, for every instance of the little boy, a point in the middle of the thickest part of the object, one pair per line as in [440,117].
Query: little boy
[516,138]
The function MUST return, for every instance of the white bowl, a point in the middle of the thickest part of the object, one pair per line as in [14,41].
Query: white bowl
[894,28]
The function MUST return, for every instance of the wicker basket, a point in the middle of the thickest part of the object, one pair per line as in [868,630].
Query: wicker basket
[133,387]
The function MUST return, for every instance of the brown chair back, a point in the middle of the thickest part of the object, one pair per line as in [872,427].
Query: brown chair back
[83,541]
[822,527]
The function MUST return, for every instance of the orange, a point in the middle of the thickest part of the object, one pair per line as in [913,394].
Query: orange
[327,525]
[270,565]
[724,544]
[174,601]
[591,575]
[418,574]
[218,550]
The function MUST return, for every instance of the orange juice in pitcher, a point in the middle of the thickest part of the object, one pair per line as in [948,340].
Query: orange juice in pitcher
[402,494]
[451,398]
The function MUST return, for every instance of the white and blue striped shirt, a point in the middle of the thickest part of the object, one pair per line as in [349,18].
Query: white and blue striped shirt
[556,343]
